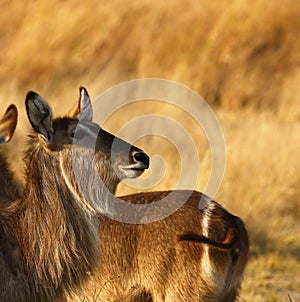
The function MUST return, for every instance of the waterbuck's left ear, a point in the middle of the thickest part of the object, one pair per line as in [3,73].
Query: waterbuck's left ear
[40,115]
[8,123]
[83,109]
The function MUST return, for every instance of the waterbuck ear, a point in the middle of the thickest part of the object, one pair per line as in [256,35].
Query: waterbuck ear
[40,115]
[83,109]
[8,124]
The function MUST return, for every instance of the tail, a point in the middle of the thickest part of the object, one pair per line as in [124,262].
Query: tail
[227,245]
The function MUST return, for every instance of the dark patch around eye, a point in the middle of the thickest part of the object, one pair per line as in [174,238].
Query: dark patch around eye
[79,134]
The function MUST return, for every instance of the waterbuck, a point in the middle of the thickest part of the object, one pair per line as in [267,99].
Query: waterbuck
[8,184]
[49,236]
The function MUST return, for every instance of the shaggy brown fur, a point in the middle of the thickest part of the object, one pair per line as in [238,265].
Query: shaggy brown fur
[49,237]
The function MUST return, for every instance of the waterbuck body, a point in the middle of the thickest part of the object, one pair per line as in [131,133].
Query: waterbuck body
[198,253]
[49,236]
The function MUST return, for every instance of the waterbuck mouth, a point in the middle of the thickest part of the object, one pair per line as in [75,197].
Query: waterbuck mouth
[141,162]
[133,170]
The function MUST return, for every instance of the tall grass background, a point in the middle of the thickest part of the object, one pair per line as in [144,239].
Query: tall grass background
[243,57]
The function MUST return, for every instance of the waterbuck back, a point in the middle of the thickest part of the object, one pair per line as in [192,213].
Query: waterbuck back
[49,238]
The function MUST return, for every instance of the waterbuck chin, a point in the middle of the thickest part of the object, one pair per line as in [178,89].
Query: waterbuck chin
[9,191]
[49,236]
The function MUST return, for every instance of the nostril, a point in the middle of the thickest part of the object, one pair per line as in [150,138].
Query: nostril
[141,157]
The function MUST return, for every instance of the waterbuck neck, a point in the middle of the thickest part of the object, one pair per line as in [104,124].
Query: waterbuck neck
[54,234]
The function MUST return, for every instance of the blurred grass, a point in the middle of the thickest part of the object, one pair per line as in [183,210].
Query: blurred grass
[242,57]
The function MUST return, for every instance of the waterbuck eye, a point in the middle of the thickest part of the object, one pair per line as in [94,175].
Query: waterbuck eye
[78,134]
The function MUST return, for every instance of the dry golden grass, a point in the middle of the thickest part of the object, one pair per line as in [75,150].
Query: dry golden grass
[242,57]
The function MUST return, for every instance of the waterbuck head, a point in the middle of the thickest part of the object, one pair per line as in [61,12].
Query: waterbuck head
[91,160]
